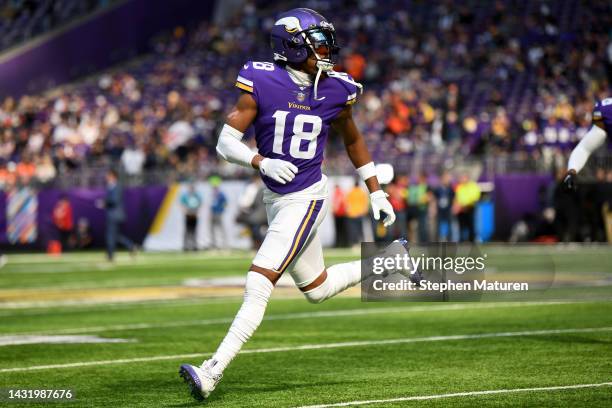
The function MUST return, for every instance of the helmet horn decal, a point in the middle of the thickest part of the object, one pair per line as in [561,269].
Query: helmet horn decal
[292,24]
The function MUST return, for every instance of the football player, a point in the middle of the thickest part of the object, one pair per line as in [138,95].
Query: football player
[594,138]
[292,103]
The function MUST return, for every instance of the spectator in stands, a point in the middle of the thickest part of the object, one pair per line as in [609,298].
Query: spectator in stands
[467,195]
[63,220]
[355,65]
[25,170]
[339,211]
[357,202]
[115,216]
[191,201]
[7,176]
[133,159]
[217,209]
[45,171]
[444,196]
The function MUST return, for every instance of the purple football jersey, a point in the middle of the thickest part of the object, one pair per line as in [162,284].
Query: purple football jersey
[290,124]
[602,113]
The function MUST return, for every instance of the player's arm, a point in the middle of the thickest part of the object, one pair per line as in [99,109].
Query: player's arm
[231,148]
[594,138]
[359,154]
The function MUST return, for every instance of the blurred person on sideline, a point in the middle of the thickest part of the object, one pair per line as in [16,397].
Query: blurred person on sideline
[340,220]
[63,220]
[445,196]
[82,238]
[191,201]
[418,199]
[115,216]
[567,209]
[357,202]
[252,211]
[467,195]
[217,209]
[397,197]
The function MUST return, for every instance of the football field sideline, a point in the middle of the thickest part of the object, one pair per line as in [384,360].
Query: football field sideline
[322,346]
[459,394]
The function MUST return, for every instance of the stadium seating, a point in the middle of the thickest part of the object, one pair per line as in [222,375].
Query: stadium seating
[21,20]
[459,79]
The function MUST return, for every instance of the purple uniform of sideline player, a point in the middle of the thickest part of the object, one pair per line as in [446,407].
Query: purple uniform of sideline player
[593,139]
[292,103]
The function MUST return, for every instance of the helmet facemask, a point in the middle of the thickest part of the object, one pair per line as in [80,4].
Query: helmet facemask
[321,42]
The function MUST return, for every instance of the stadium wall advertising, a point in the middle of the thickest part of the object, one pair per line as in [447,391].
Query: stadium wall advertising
[154,216]
[141,205]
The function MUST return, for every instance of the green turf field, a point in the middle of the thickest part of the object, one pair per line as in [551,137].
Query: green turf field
[550,350]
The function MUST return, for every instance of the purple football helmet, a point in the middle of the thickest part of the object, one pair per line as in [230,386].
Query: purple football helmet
[301,31]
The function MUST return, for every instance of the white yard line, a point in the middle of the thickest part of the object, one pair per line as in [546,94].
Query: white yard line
[460,394]
[124,257]
[292,316]
[80,306]
[303,347]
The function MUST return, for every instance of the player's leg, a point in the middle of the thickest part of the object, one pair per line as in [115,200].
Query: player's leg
[290,226]
[319,283]
[258,289]
[315,281]
[320,286]
[287,235]
[310,275]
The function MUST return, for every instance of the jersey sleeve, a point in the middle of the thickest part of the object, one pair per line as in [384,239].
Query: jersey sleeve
[352,97]
[244,81]
[348,85]
[602,114]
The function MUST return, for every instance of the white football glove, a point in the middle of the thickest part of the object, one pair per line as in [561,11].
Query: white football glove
[380,203]
[278,170]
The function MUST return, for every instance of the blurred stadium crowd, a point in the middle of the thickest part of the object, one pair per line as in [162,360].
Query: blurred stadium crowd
[485,79]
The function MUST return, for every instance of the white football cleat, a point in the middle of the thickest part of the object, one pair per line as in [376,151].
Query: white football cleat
[201,380]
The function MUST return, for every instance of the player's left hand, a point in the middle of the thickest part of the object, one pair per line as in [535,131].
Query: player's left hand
[380,203]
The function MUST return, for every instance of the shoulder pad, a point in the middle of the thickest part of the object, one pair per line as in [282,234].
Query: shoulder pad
[246,77]
[352,87]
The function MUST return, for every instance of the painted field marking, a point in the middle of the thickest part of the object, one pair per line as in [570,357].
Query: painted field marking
[19,340]
[460,394]
[363,343]
[292,316]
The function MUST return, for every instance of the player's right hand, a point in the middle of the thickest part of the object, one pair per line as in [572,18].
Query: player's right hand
[278,170]
[569,182]
[379,202]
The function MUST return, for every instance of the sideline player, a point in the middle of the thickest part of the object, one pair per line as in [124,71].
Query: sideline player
[291,103]
[594,138]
